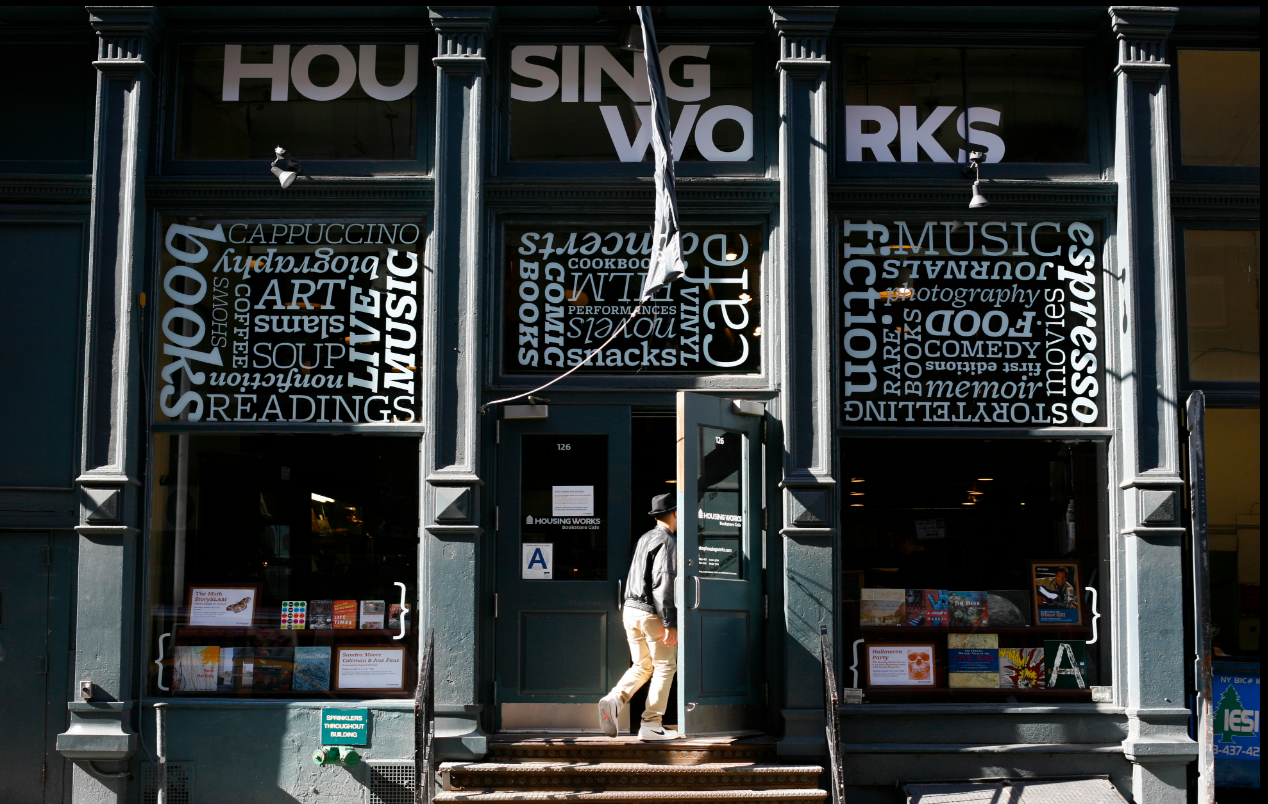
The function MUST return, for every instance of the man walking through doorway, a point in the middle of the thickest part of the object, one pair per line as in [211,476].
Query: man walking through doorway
[651,620]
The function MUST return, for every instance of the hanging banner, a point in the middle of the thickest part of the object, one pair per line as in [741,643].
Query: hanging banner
[972,324]
[289,321]
[567,289]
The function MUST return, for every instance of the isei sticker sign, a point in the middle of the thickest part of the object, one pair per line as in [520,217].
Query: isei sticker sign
[1236,719]
[972,324]
[345,726]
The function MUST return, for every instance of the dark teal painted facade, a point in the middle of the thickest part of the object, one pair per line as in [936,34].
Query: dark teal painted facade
[87,169]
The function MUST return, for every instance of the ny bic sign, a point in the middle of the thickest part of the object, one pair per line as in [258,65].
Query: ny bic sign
[284,71]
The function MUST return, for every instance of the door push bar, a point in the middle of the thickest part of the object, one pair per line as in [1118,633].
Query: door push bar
[696,578]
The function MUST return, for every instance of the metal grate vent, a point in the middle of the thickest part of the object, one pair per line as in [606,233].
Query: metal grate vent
[389,782]
[180,783]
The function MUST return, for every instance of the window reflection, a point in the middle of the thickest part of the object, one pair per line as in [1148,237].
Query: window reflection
[1222,290]
[720,517]
[1219,107]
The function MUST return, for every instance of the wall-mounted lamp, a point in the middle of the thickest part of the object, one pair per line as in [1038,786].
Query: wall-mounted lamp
[631,38]
[285,175]
[974,170]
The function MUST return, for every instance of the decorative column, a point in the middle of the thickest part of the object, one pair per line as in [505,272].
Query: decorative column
[1149,619]
[451,502]
[803,264]
[101,735]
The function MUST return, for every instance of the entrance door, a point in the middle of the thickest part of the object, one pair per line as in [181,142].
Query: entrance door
[563,546]
[719,589]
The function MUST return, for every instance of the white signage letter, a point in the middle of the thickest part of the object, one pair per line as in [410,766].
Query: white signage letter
[343,81]
[370,80]
[278,71]
[520,65]
[856,141]
[914,137]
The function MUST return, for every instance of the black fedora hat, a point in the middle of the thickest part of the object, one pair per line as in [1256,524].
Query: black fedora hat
[663,504]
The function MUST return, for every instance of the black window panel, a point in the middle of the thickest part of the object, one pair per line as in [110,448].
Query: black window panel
[924,77]
[1040,96]
[1219,107]
[353,126]
[49,100]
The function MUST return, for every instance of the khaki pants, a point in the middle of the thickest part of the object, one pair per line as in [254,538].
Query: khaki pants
[652,659]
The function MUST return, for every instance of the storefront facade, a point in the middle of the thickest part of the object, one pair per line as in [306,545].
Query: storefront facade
[253,464]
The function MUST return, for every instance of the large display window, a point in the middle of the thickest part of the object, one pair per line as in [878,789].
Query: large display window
[974,570]
[284,566]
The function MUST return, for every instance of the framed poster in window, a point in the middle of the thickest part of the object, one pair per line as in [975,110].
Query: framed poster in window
[369,668]
[905,665]
[223,606]
[1055,588]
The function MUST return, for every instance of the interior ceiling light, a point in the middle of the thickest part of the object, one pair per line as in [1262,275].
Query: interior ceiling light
[285,176]
[974,170]
[985,479]
[856,480]
[856,505]
[856,494]
[321,498]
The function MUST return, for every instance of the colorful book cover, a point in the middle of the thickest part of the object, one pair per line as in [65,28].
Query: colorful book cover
[196,668]
[372,612]
[312,669]
[926,607]
[967,609]
[294,614]
[1021,668]
[973,661]
[344,614]
[881,606]
[394,617]
[1056,594]
[273,669]
[1065,664]
[244,658]
[1009,608]
[321,613]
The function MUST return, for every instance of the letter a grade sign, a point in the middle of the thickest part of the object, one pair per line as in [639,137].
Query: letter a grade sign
[538,561]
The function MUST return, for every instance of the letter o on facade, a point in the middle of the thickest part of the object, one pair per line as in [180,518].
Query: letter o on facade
[860,353]
[998,331]
[704,134]
[966,330]
[188,273]
[528,291]
[528,313]
[189,315]
[344,80]
[1084,409]
[555,293]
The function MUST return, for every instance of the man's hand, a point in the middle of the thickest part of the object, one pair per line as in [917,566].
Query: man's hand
[670,638]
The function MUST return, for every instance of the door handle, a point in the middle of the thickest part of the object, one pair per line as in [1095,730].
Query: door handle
[696,578]
[620,601]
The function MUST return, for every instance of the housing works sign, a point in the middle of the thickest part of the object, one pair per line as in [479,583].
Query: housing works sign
[591,102]
[977,324]
[282,321]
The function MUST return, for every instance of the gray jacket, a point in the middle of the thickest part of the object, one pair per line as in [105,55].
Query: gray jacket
[650,584]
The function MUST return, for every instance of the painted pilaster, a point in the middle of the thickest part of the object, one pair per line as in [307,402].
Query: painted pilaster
[809,527]
[1150,618]
[451,448]
[100,736]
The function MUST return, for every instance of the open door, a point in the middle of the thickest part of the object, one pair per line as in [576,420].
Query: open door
[719,586]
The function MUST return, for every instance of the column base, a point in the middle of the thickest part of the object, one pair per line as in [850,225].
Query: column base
[804,734]
[458,732]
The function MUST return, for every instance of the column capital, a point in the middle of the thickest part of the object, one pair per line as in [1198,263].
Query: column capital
[803,35]
[126,37]
[1142,33]
[462,35]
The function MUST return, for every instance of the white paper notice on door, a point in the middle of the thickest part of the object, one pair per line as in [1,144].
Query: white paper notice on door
[572,501]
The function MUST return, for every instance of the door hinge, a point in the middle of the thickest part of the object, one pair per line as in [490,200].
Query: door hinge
[765,607]
[495,605]
[497,431]
[764,429]
[44,773]
[497,518]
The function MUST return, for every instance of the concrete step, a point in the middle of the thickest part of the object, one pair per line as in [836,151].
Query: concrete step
[639,796]
[505,748]
[609,776]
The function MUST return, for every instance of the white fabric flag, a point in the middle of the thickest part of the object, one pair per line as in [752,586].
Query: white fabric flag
[666,263]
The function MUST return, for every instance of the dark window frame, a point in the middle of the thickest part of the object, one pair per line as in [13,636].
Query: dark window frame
[765,104]
[81,165]
[1204,173]
[1219,393]
[1098,95]
[166,162]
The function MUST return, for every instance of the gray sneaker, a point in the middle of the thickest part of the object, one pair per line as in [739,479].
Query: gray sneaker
[609,710]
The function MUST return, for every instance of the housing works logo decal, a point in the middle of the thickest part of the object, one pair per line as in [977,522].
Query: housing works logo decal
[913,135]
[591,102]
[283,72]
